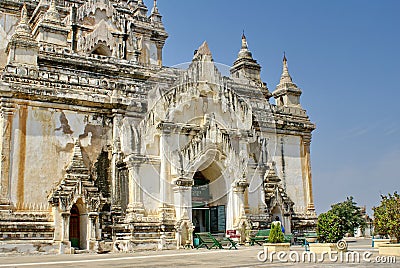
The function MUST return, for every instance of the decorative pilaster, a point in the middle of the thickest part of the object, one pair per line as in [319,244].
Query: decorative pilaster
[183,198]
[7,111]
[165,129]
[93,218]
[65,226]
[307,163]
[116,187]
[239,188]
[135,206]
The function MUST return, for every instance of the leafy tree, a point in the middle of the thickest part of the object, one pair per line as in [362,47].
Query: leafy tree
[350,215]
[276,235]
[387,216]
[329,228]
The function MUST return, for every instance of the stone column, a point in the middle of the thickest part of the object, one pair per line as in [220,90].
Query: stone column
[65,226]
[262,206]
[6,120]
[183,198]
[115,191]
[58,222]
[239,199]
[159,54]
[91,234]
[307,163]
[93,216]
[165,129]
[135,206]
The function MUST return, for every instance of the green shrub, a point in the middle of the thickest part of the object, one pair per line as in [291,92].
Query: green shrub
[387,216]
[276,235]
[330,228]
[349,214]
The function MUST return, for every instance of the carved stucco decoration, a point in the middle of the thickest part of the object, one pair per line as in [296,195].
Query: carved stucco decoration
[77,183]
[275,194]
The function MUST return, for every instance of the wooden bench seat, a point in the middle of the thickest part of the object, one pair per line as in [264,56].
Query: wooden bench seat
[208,241]
[260,238]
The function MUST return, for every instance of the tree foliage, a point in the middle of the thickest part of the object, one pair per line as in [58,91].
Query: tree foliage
[349,214]
[329,228]
[342,218]
[387,216]
[276,235]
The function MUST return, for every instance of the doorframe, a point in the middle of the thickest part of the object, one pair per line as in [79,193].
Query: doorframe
[75,226]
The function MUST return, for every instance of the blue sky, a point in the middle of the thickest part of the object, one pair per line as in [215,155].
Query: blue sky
[343,54]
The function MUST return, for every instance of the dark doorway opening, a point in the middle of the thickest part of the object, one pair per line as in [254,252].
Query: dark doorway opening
[74,228]
[206,217]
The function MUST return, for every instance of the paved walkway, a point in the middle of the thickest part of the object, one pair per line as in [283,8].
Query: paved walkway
[243,257]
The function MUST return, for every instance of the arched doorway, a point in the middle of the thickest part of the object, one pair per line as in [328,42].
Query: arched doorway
[74,227]
[209,200]
[200,199]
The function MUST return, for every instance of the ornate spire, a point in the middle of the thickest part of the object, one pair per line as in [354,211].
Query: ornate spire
[285,77]
[245,66]
[271,176]
[141,9]
[155,8]
[23,29]
[286,87]
[244,51]
[52,14]
[244,42]
[155,15]
[77,165]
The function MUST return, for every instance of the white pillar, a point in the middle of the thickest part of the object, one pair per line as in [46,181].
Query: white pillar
[65,226]
[6,118]
[183,198]
[135,205]
[164,171]
[116,192]
[91,231]
[58,223]
[238,200]
[309,191]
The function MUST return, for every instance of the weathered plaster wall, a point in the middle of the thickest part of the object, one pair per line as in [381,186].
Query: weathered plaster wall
[149,176]
[255,190]
[42,149]
[290,168]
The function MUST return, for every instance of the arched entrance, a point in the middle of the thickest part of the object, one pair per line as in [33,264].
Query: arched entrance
[200,199]
[209,199]
[74,227]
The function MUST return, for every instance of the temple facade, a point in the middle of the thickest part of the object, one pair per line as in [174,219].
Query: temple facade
[104,148]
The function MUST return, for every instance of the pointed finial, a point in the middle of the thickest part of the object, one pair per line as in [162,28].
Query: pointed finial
[24,14]
[244,41]
[52,5]
[23,29]
[155,8]
[285,77]
[52,13]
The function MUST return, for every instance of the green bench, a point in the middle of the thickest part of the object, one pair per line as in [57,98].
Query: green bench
[260,238]
[288,238]
[208,241]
